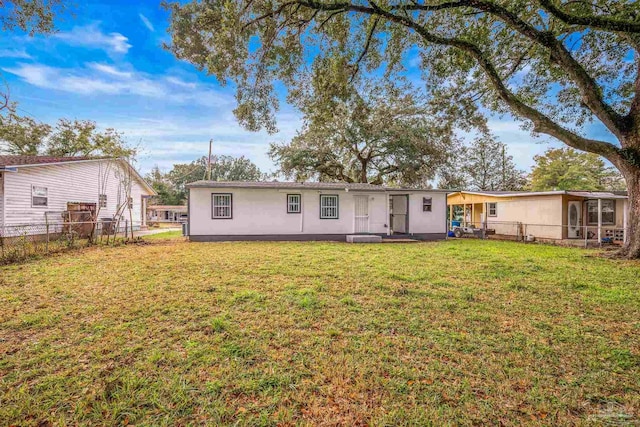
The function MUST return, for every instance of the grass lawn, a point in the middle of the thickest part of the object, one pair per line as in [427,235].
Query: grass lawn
[453,333]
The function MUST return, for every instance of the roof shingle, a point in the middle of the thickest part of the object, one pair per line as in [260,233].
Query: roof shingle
[38,160]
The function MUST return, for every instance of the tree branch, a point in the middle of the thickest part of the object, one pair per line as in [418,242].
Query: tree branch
[600,22]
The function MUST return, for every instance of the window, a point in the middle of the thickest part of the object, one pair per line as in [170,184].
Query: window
[493,209]
[39,196]
[130,203]
[293,203]
[221,206]
[102,200]
[427,203]
[608,212]
[328,206]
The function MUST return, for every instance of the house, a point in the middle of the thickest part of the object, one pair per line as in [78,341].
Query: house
[552,215]
[167,213]
[44,189]
[311,211]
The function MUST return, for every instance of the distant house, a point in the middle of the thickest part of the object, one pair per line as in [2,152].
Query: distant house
[556,215]
[312,211]
[167,213]
[39,189]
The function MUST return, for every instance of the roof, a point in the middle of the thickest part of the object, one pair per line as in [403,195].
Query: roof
[39,160]
[585,194]
[167,207]
[302,186]
[11,163]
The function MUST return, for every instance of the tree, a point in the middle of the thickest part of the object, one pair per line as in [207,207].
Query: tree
[170,186]
[31,16]
[22,135]
[167,193]
[375,132]
[26,136]
[556,65]
[484,166]
[81,138]
[569,169]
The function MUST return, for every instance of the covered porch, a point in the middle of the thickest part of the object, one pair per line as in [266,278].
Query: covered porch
[167,213]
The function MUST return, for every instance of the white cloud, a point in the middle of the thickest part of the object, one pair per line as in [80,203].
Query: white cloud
[101,79]
[146,22]
[91,36]
[179,82]
[14,53]
[111,70]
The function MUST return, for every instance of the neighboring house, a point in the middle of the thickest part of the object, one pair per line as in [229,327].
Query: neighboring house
[312,211]
[167,213]
[39,189]
[556,215]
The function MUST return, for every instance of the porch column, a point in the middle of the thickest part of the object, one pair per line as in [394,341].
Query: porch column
[473,213]
[450,216]
[143,207]
[599,221]
[625,221]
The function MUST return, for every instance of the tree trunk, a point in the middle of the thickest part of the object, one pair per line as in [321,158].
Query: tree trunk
[631,174]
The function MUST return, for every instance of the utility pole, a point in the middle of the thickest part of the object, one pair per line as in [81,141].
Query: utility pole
[208,174]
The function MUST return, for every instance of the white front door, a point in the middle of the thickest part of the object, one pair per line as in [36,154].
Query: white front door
[361,219]
[574,219]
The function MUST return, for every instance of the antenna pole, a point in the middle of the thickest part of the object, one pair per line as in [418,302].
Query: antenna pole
[209,161]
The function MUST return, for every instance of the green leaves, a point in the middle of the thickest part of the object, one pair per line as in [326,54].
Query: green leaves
[568,169]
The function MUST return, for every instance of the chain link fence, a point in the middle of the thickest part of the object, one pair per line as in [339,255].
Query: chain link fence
[583,235]
[19,242]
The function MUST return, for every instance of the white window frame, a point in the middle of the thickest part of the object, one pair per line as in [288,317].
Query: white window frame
[494,208]
[329,211]
[594,203]
[130,203]
[218,206]
[102,200]
[294,203]
[46,196]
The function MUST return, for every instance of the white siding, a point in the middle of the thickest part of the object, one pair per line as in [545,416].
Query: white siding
[264,212]
[68,182]
[2,198]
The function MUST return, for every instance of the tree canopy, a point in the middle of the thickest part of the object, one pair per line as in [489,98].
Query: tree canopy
[484,165]
[170,186]
[21,135]
[556,65]
[372,132]
[569,169]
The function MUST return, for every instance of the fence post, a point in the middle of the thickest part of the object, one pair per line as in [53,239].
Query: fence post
[46,221]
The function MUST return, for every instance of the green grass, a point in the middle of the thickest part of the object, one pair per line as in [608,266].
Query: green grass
[174,234]
[453,333]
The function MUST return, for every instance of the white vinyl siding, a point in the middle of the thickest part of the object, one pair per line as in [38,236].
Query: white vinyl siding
[293,203]
[1,199]
[77,182]
[221,206]
[329,208]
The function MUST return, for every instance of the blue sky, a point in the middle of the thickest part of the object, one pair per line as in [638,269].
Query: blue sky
[106,64]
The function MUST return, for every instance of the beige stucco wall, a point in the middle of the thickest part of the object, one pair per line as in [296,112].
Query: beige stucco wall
[541,214]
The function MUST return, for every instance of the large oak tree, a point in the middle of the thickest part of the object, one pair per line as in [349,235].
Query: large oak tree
[556,65]
[369,131]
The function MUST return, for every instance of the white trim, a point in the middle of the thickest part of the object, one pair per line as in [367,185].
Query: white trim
[112,159]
